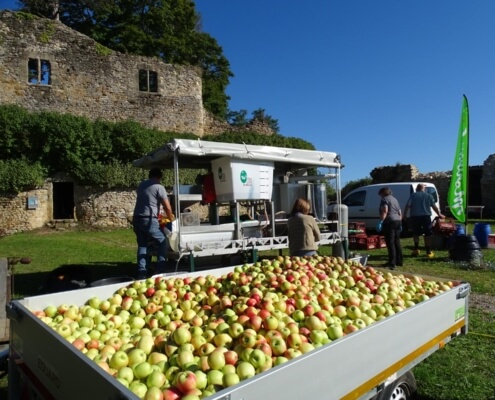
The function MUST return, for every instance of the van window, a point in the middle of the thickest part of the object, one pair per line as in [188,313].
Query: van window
[433,192]
[355,199]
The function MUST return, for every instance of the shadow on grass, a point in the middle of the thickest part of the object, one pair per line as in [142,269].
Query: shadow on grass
[66,277]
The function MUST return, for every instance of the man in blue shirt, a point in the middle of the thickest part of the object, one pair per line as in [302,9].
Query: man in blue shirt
[420,203]
[151,195]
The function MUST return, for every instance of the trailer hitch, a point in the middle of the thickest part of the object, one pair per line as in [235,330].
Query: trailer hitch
[13,312]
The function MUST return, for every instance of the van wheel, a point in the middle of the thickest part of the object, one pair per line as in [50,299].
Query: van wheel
[402,388]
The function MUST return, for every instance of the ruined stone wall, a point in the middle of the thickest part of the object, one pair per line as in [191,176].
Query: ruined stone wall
[214,126]
[488,185]
[17,216]
[90,80]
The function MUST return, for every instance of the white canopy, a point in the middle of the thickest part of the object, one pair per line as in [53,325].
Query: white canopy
[199,154]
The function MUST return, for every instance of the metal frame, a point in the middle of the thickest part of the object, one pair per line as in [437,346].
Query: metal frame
[199,154]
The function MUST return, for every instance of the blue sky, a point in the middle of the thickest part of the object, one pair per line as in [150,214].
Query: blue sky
[379,82]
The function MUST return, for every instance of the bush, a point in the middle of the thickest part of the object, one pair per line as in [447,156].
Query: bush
[19,175]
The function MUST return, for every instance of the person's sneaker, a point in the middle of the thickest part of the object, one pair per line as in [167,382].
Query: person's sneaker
[415,253]
[430,254]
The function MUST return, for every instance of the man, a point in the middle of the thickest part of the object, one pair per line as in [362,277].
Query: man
[420,203]
[391,225]
[150,196]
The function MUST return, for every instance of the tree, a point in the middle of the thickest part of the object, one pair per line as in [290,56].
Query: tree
[167,29]
[261,115]
[237,118]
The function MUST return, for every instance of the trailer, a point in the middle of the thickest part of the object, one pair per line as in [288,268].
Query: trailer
[245,177]
[372,363]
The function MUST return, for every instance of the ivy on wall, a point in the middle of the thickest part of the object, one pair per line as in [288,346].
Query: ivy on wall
[34,146]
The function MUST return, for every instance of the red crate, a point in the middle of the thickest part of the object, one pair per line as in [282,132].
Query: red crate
[357,226]
[443,227]
[368,243]
[356,240]
[381,242]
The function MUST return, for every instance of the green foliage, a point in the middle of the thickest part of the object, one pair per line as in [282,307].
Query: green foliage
[48,33]
[257,139]
[102,50]
[18,175]
[355,184]
[97,153]
[25,16]
[239,118]
[260,115]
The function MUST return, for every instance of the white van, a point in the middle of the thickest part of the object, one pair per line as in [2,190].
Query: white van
[363,203]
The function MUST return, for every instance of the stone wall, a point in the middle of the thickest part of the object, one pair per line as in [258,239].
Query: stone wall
[17,216]
[90,80]
[105,208]
[488,185]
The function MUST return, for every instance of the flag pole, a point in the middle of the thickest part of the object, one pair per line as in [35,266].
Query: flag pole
[467,166]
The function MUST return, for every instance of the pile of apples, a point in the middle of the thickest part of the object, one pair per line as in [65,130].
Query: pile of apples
[189,337]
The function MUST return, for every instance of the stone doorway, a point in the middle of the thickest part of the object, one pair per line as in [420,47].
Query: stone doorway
[63,200]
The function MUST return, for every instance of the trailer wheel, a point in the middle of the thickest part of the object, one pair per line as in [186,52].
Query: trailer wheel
[403,388]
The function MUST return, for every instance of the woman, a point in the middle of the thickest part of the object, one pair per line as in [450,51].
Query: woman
[391,225]
[303,230]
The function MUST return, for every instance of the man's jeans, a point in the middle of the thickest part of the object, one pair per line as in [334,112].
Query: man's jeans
[146,229]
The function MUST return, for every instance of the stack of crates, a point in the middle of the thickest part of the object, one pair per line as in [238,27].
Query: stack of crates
[359,240]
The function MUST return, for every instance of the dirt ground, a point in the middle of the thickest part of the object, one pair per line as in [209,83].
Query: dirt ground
[482,301]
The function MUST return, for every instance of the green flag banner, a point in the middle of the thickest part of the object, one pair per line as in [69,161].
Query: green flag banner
[457,197]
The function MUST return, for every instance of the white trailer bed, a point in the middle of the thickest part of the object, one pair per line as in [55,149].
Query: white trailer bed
[356,366]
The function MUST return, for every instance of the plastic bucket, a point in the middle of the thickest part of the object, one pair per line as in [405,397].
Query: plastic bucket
[459,231]
[463,247]
[481,231]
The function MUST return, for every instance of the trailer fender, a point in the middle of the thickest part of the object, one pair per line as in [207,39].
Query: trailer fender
[403,388]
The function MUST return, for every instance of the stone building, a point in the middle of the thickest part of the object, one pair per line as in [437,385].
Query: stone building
[46,66]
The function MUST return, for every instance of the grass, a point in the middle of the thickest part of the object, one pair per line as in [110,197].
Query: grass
[463,370]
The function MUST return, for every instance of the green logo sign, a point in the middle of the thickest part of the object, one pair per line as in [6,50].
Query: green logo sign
[244,176]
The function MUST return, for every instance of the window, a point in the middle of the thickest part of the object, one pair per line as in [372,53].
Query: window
[433,192]
[39,72]
[148,81]
[355,199]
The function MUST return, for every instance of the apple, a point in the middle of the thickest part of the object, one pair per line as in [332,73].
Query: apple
[142,370]
[138,388]
[215,377]
[136,356]
[230,379]
[181,335]
[216,359]
[335,331]
[125,373]
[257,358]
[119,360]
[172,393]
[156,379]
[245,370]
